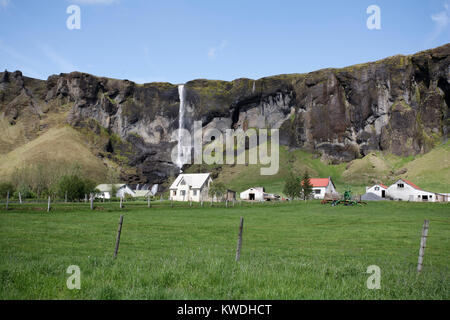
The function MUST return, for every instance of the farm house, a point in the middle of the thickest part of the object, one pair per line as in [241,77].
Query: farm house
[322,186]
[253,194]
[191,187]
[404,190]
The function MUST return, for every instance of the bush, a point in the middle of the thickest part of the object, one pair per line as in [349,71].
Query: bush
[5,187]
[25,192]
[75,187]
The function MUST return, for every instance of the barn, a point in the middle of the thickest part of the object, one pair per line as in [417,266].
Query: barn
[253,194]
[378,189]
[404,190]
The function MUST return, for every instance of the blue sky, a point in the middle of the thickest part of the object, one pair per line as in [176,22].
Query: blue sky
[177,41]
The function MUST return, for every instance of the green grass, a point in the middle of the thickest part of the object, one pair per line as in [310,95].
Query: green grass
[290,251]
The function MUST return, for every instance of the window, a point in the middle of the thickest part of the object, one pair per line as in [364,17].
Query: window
[174,192]
[377,188]
[183,192]
[194,192]
[400,185]
[317,191]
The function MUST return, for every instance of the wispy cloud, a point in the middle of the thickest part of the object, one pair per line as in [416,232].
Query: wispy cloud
[62,64]
[26,64]
[214,51]
[4,3]
[441,21]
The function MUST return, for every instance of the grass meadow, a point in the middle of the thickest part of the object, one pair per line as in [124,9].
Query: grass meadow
[291,250]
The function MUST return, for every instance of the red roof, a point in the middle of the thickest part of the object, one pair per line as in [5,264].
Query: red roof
[319,182]
[380,184]
[411,184]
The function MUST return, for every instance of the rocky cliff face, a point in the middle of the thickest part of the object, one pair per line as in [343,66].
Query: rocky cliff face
[399,104]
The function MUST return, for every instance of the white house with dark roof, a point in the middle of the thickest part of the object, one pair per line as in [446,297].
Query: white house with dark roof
[191,187]
[404,190]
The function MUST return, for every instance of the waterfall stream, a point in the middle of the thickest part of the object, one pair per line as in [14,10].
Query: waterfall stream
[180,159]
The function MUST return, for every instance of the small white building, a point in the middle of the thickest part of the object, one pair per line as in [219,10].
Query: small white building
[322,186]
[191,187]
[378,189]
[404,190]
[253,194]
[105,189]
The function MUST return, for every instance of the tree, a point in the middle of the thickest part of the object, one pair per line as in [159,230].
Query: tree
[306,186]
[292,187]
[5,187]
[217,189]
[75,187]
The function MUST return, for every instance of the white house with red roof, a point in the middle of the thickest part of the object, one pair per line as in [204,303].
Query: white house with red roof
[378,189]
[322,186]
[405,190]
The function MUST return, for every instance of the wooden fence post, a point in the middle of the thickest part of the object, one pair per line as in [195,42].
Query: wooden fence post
[239,244]
[20,198]
[92,201]
[65,197]
[85,198]
[201,204]
[226,203]
[190,203]
[119,230]
[148,202]
[121,205]
[423,242]
[7,200]
[48,204]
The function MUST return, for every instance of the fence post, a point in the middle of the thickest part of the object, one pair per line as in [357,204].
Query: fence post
[20,198]
[211,202]
[201,204]
[160,200]
[423,242]
[190,203]
[239,244]
[148,202]
[121,205]
[7,200]
[92,201]
[65,197]
[119,230]
[226,203]
[48,205]
[85,198]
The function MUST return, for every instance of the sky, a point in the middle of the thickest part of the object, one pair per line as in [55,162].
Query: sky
[181,40]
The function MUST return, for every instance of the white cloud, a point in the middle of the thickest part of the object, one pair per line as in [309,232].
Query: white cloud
[441,21]
[213,51]
[62,64]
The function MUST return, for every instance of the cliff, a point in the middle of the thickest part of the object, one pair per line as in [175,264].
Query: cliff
[399,105]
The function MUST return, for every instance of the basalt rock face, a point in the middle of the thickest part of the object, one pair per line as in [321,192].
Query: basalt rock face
[399,104]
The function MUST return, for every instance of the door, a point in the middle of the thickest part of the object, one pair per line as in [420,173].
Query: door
[383,193]
[252,196]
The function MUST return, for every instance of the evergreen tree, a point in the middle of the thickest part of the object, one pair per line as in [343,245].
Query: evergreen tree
[292,187]
[306,186]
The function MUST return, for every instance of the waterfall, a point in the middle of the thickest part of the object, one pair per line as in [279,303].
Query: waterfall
[180,126]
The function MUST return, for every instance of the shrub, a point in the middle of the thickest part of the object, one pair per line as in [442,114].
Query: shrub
[5,187]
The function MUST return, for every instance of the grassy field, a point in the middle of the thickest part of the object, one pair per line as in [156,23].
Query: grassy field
[290,251]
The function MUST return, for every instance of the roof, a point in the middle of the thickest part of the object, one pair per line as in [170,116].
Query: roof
[142,193]
[259,189]
[194,180]
[411,184]
[380,184]
[106,187]
[319,182]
